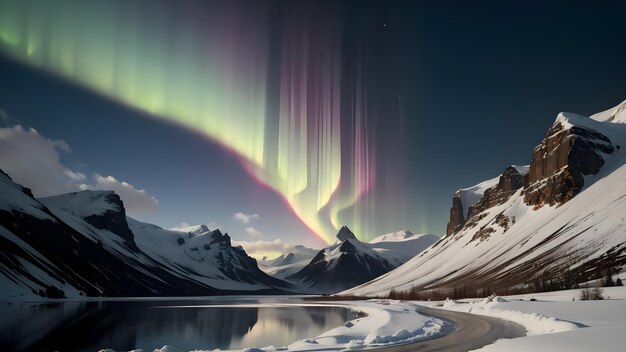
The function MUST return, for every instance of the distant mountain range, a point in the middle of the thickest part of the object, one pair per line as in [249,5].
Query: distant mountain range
[83,244]
[549,225]
[350,262]
[558,221]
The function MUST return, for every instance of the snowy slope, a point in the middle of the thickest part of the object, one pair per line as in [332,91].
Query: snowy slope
[398,247]
[80,244]
[471,195]
[289,263]
[82,204]
[51,253]
[515,244]
[193,229]
[206,256]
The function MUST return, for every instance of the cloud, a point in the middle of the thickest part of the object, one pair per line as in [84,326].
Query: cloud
[75,176]
[35,162]
[245,218]
[135,200]
[254,232]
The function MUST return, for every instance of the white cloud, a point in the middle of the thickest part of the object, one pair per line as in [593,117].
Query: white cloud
[75,175]
[34,161]
[245,218]
[135,200]
[61,144]
[254,232]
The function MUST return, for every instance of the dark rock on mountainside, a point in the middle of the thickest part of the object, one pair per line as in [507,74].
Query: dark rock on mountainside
[555,175]
[561,160]
[509,182]
[113,220]
[345,234]
[457,219]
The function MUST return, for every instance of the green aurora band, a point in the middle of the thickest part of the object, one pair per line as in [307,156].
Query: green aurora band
[208,68]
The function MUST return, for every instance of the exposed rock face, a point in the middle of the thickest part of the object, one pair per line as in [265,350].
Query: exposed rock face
[509,182]
[457,219]
[561,160]
[569,151]
[217,237]
[114,221]
[345,233]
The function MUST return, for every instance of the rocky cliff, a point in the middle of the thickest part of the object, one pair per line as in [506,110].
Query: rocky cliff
[567,154]
[511,180]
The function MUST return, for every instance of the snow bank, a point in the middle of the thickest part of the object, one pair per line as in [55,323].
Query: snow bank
[387,322]
[535,324]
[600,324]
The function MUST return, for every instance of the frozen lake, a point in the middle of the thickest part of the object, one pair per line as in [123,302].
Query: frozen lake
[188,324]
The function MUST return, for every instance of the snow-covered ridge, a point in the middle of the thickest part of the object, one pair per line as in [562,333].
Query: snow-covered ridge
[399,247]
[82,244]
[194,229]
[616,114]
[83,203]
[507,240]
[403,235]
[471,195]
[18,198]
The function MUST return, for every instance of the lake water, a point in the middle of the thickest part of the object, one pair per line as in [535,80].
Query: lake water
[148,324]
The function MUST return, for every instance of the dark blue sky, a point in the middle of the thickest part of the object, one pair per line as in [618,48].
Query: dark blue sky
[456,92]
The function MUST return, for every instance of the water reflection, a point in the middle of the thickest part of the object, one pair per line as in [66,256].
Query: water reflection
[189,325]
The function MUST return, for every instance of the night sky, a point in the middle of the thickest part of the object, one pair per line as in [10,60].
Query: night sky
[298,116]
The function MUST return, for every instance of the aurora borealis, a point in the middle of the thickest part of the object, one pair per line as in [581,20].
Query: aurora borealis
[207,67]
[369,114]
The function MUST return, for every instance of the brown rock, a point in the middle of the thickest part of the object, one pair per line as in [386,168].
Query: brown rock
[457,219]
[560,162]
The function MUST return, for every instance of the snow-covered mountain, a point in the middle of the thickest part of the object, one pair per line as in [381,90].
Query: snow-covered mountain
[398,247]
[192,229]
[204,255]
[349,262]
[82,243]
[288,263]
[558,221]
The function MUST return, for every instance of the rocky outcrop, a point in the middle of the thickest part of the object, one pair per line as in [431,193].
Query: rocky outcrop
[561,160]
[571,149]
[457,218]
[345,233]
[113,220]
[509,182]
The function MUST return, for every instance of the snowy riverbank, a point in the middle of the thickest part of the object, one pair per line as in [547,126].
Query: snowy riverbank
[387,322]
[555,321]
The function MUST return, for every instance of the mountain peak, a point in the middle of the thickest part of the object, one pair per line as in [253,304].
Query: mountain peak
[192,229]
[345,234]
